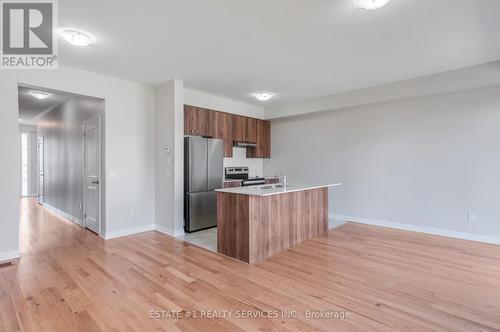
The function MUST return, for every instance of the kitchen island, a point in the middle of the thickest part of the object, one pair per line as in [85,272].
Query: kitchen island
[255,223]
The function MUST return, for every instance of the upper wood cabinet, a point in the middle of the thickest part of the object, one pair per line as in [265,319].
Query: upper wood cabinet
[245,129]
[263,136]
[252,125]
[229,127]
[240,128]
[196,121]
[221,126]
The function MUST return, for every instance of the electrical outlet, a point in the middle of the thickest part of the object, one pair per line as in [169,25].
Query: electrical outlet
[472,216]
[132,212]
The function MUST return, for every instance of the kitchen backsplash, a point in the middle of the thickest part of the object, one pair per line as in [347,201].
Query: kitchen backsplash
[255,166]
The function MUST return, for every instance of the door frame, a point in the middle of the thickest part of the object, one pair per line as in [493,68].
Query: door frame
[99,171]
[40,156]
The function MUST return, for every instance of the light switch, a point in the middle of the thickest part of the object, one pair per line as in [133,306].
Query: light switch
[113,174]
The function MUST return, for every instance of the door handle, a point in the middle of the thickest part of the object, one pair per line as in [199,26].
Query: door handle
[95,182]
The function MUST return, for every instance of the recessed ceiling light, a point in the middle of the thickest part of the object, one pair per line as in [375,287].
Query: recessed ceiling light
[263,95]
[75,37]
[40,94]
[371,4]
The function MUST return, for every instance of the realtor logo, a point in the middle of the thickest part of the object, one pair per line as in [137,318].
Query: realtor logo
[28,34]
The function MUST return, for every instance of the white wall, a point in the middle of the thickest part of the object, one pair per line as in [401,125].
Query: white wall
[202,99]
[480,76]
[170,158]
[423,163]
[129,146]
[62,131]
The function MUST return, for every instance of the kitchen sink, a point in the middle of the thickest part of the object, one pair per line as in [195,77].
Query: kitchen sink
[274,186]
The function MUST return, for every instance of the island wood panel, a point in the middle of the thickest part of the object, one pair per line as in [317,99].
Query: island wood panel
[232,225]
[312,214]
[271,224]
[273,221]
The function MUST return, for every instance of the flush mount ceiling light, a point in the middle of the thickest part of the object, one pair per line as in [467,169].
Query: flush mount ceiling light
[40,94]
[75,37]
[263,95]
[371,4]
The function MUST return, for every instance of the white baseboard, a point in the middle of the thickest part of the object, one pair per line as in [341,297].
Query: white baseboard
[420,229]
[8,256]
[169,231]
[129,231]
[142,229]
[334,223]
[63,214]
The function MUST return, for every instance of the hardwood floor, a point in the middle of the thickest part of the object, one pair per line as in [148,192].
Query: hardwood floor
[388,280]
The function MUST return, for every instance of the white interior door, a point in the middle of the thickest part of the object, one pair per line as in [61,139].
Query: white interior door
[91,203]
[40,170]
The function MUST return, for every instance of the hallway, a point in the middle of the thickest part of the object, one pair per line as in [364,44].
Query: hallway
[42,230]
[69,279]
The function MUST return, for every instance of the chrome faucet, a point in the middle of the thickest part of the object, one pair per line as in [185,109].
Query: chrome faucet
[283,181]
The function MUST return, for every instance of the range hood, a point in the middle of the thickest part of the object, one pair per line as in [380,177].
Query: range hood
[239,144]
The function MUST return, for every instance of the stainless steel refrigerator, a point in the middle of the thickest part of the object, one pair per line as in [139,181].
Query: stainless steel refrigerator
[203,173]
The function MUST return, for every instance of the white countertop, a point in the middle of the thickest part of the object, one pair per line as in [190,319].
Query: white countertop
[258,191]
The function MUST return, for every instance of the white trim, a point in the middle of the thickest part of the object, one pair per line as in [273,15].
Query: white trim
[63,214]
[99,171]
[142,229]
[129,231]
[7,256]
[334,223]
[420,229]
[169,231]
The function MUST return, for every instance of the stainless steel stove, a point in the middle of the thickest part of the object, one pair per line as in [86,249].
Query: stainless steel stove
[242,173]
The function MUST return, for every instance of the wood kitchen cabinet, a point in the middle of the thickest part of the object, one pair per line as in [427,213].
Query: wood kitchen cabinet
[229,127]
[233,184]
[245,129]
[263,140]
[240,128]
[221,126]
[252,125]
[196,121]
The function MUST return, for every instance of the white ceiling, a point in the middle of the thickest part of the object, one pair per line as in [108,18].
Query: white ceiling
[300,49]
[30,107]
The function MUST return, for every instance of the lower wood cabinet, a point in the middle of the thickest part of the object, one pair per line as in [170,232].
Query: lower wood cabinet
[233,184]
